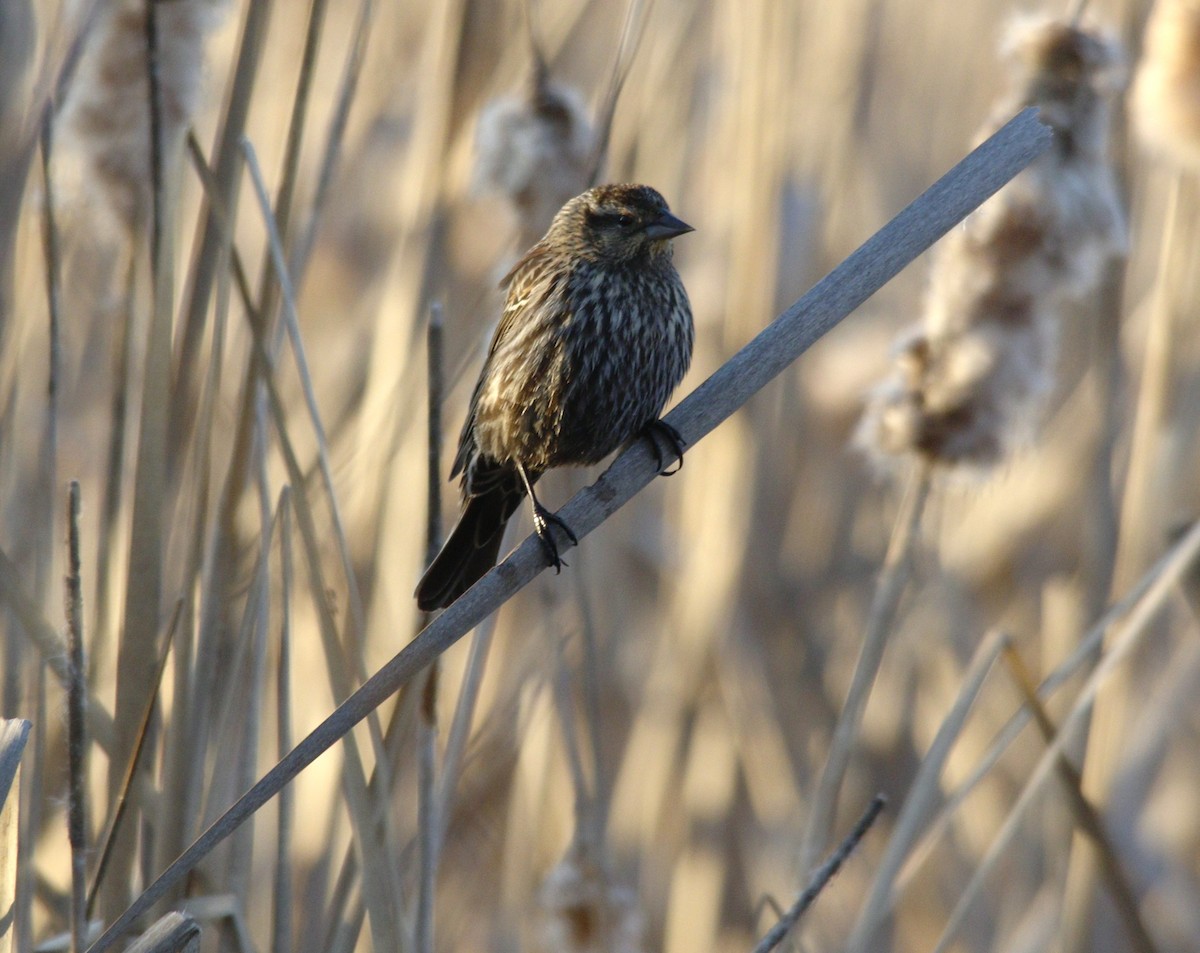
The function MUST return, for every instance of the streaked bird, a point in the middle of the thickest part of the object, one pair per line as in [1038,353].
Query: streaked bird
[595,335]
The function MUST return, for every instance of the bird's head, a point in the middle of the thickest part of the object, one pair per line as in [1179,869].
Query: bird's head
[616,223]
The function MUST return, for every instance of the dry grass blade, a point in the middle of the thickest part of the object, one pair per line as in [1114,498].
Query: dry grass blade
[334,139]
[269,289]
[50,645]
[127,779]
[382,887]
[922,793]
[460,725]
[821,877]
[76,729]
[954,196]
[1085,653]
[281,932]
[427,815]
[53,255]
[636,16]
[137,682]
[1086,816]
[291,323]
[1123,640]
[226,181]
[174,933]
[893,577]
[13,735]
[428,823]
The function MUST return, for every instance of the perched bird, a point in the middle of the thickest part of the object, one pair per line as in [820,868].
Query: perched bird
[596,333]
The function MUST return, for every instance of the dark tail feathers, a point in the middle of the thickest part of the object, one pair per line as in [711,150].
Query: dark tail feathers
[472,547]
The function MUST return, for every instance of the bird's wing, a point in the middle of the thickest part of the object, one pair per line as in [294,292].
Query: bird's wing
[522,283]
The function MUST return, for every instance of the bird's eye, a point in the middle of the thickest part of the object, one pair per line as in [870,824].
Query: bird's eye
[607,219]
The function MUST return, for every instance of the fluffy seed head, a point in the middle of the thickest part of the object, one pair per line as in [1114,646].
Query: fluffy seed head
[1165,100]
[968,385]
[106,119]
[1068,73]
[584,912]
[536,150]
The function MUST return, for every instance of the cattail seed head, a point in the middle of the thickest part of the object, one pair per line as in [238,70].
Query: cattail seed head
[536,150]
[969,383]
[106,118]
[1165,100]
[582,911]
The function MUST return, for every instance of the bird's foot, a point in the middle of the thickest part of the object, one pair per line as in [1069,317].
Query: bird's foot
[663,436]
[542,518]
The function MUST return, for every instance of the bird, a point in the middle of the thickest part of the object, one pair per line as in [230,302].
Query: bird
[595,335]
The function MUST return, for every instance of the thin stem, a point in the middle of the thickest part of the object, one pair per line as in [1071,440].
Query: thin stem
[893,577]
[821,877]
[1086,815]
[76,728]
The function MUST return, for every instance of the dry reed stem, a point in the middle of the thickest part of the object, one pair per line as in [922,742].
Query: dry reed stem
[428,826]
[51,646]
[214,241]
[1087,818]
[922,793]
[1127,634]
[14,733]
[879,259]
[889,587]
[270,284]
[460,725]
[33,811]
[77,745]
[592,707]
[52,253]
[282,902]
[377,894]
[334,139]
[1086,653]
[357,621]
[121,800]
[137,648]
[1165,99]
[174,933]
[1145,500]
[383,887]
[821,877]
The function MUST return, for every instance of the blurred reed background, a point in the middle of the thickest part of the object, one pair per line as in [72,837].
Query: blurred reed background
[646,752]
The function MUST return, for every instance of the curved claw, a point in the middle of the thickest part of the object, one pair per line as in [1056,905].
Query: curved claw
[542,518]
[659,432]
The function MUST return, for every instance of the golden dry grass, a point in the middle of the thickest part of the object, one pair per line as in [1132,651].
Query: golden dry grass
[626,757]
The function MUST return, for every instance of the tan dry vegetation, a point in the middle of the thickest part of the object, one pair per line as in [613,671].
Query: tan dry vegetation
[627,756]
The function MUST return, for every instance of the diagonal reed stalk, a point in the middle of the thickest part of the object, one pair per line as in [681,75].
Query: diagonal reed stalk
[924,790]
[1121,641]
[1087,818]
[821,877]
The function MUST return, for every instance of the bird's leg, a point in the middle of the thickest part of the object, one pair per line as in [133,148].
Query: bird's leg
[542,518]
[661,433]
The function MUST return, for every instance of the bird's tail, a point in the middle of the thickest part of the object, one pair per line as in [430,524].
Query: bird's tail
[472,548]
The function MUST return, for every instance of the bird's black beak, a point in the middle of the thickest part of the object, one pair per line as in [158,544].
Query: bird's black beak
[667,226]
